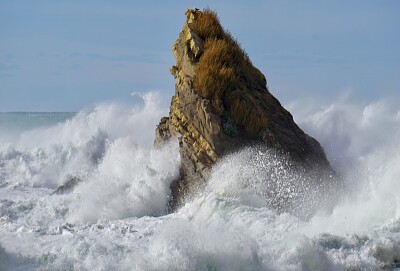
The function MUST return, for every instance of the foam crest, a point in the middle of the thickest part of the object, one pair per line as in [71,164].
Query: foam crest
[363,143]
[130,181]
[264,178]
[114,119]
[349,132]
[109,149]
[372,199]
[48,156]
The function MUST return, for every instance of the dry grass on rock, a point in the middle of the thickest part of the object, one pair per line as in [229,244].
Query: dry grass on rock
[226,76]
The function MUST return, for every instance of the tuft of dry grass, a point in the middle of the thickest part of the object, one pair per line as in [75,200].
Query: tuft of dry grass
[207,25]
[226,76]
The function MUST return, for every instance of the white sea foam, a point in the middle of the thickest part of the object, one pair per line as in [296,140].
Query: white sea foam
[46,157]
[350,132]
[129,181]
[115,219]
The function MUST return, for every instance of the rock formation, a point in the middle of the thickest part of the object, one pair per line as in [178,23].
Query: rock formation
[68,186]
[221,104]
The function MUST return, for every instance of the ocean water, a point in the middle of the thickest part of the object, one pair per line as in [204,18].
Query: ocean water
[116,218]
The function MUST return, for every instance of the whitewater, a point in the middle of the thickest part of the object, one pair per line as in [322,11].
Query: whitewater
[117,217]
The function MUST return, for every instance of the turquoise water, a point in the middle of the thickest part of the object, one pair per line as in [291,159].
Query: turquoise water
[13,124]
[30,120]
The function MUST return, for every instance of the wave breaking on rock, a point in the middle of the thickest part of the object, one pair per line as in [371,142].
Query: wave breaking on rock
[222,104]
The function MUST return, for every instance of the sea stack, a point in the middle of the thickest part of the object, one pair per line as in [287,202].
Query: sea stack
[221,104]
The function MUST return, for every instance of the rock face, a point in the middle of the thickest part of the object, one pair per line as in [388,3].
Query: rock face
[69,185]
[221,104]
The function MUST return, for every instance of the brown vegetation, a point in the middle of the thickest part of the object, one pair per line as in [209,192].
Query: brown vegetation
[225,75]
[207,25]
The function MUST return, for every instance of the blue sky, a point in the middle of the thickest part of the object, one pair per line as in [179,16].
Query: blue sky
[66,55]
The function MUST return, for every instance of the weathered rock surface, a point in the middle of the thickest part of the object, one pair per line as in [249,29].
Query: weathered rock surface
[68,186]
[246,113]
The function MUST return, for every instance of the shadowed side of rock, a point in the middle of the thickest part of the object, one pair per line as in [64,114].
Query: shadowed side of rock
[222,104]
[68,186]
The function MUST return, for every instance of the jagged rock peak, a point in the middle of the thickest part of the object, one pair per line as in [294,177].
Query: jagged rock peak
[222,103]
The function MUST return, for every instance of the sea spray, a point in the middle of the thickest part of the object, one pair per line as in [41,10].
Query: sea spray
[349,132]
[46,156]
[266,178]
[115,219]
[130,181]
